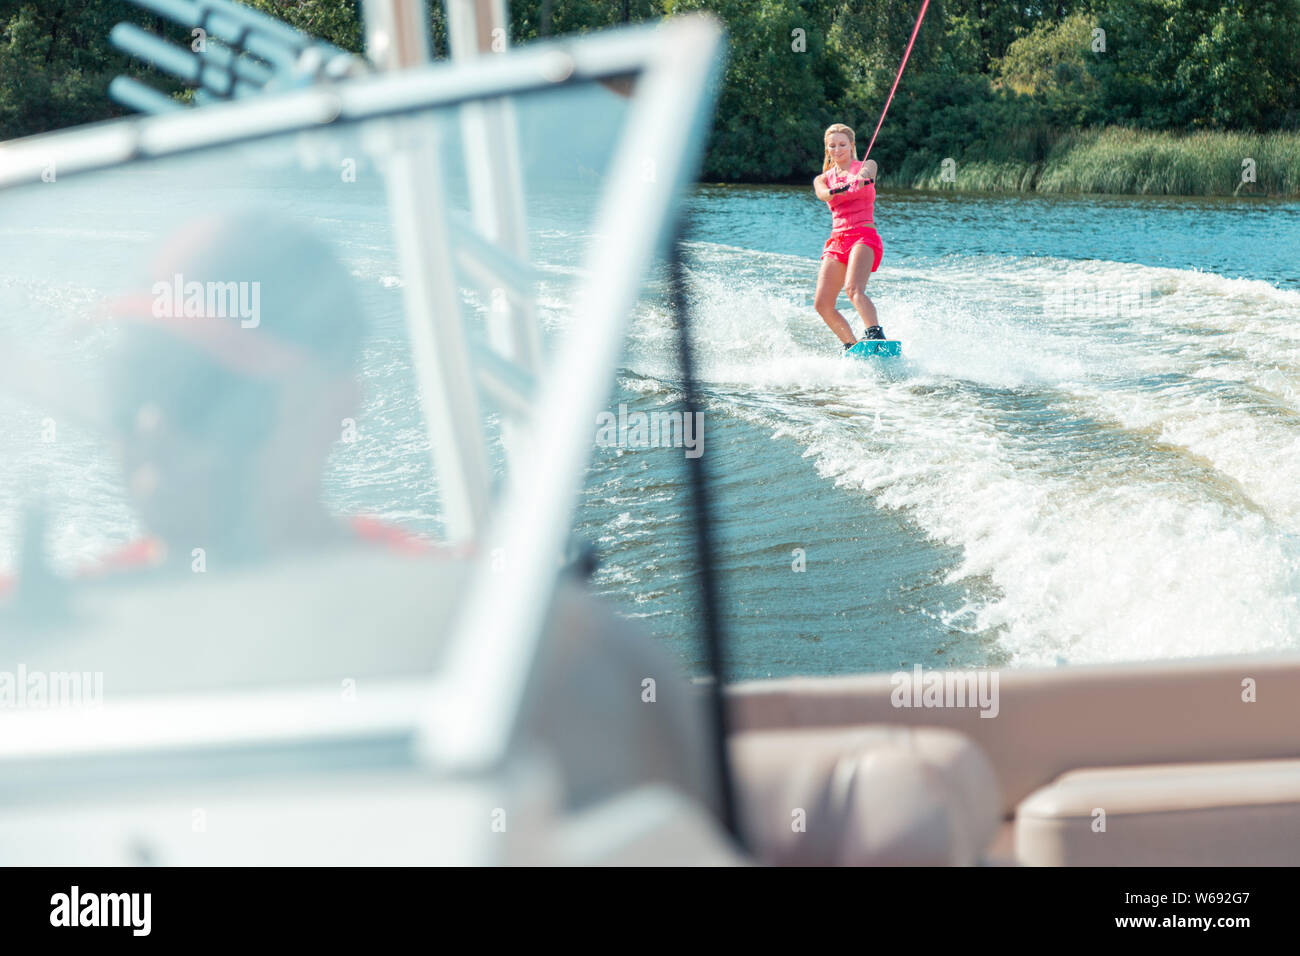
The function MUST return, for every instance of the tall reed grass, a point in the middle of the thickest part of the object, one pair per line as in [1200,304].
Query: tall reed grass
[1122,160]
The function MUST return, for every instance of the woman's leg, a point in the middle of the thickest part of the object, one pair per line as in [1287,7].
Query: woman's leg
[861,259]
[829,281]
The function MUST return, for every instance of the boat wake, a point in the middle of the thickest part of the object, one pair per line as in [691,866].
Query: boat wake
[1114,447]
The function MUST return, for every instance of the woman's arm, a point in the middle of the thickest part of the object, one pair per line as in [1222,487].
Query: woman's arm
[867,170]
[819,187]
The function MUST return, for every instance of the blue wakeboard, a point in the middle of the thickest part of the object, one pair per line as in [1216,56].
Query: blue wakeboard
[871,348]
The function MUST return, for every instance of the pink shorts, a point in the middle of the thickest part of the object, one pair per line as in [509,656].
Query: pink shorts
[840,244]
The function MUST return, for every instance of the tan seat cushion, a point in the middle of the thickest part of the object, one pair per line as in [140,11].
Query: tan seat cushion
[865,796]
[1053,721]
[1207,814]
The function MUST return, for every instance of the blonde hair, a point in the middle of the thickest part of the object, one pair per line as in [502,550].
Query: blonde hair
[827,163]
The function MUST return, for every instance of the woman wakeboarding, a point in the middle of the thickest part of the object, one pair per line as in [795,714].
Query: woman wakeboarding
[853,252]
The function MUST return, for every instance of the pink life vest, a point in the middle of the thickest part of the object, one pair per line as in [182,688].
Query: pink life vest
[854,209]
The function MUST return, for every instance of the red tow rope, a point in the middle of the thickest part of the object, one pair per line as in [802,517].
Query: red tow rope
[916,29]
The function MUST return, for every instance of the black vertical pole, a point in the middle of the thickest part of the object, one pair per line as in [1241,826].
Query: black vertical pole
[701,508]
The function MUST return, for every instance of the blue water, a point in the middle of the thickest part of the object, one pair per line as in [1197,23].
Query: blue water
[1089,452]
[1251,238]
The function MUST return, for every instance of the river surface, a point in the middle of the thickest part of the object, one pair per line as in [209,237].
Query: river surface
[1089,451]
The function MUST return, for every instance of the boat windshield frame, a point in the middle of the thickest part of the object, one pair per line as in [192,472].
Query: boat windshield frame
[466,716]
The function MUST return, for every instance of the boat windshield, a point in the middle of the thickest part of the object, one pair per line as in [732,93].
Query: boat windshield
[215,468]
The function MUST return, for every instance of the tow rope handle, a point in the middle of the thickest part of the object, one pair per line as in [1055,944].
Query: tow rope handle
[915,30]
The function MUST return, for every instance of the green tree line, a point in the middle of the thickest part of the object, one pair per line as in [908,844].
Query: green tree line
[988,80]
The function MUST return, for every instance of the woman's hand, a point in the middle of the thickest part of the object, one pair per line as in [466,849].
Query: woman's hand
[837,181]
